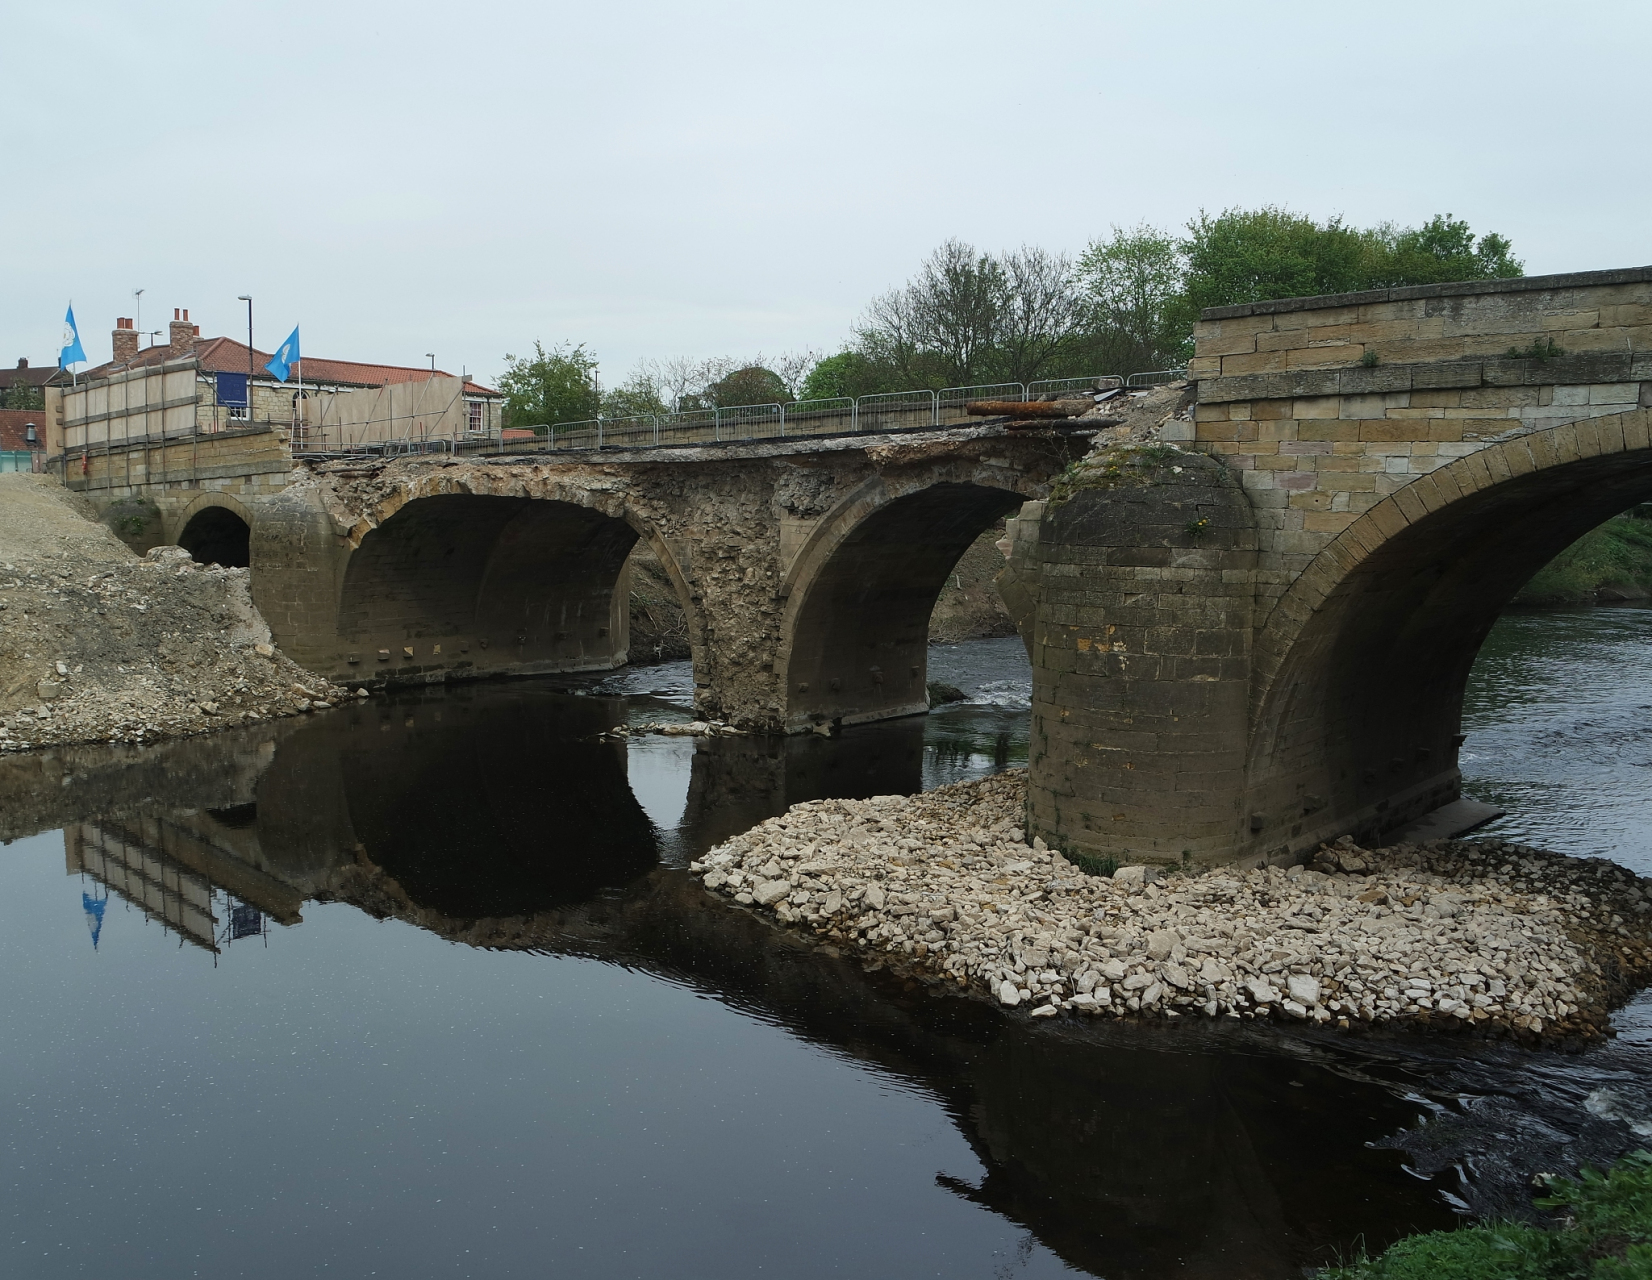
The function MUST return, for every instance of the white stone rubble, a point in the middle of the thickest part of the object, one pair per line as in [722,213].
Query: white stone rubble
[1486,935]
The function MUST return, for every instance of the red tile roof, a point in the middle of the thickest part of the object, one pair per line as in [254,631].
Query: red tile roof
[14,427]
[226,355]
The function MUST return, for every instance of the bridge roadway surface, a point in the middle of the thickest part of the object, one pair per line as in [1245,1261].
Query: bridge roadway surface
[1239,651]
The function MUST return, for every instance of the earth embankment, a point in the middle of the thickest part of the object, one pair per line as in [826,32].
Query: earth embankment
[98,644]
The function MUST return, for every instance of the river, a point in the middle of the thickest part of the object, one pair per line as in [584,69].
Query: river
[419,987]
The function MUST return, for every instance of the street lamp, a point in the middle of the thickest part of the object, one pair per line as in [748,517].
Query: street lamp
[247,298]
[431,356]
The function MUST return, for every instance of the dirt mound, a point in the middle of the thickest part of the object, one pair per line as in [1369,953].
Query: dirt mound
[98,645]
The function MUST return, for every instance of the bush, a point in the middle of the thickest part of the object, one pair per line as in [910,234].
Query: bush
[1605,1235]
[1618,553]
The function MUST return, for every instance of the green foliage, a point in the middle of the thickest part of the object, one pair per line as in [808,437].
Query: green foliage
[848,373]
[1370,359]
[550,387]
[1540,349]
[1617,1203]
[1605,1235]
[751,385]
[1133,282]
[1089,864]
[1443,249]
[637,397]
[1252,255]
[21,395]
[1617,553]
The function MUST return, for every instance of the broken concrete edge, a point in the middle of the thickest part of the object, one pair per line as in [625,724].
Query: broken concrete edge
[1445,823]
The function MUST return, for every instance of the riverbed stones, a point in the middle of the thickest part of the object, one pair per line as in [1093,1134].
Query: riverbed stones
[1487,935]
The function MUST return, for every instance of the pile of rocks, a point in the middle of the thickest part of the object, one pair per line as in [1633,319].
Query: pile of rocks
[674,729]
[1462,934]
[99,645]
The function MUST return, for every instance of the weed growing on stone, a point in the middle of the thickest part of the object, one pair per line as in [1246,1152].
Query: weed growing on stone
[1540,349]
[1370,359]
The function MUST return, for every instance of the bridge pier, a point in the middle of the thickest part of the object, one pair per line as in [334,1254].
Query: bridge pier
[1268,648]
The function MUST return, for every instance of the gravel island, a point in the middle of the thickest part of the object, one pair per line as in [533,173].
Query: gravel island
[1460,935]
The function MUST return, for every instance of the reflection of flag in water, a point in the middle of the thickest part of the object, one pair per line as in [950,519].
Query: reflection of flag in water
[245,921]
[93,907]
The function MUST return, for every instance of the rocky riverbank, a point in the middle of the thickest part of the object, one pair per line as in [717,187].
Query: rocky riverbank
[100,645]
[1458,935]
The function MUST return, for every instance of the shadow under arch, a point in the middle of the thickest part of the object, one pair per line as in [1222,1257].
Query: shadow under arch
[218,534]
[1360,672]
[856,634]
[490,583]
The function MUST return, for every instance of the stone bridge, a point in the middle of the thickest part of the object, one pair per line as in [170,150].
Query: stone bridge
[807,570]
[1248,639]
[1263,642]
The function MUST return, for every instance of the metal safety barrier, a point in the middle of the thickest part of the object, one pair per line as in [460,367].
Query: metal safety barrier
[842,415]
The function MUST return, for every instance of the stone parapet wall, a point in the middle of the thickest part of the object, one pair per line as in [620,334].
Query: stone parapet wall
[1606,312]
[1320,438]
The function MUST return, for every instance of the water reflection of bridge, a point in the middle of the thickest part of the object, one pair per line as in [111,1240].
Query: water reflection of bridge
[480,816]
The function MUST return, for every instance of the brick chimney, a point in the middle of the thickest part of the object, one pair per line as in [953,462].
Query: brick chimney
[183,335]
[124,339]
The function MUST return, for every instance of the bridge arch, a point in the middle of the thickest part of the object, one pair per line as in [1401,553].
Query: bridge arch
[216,528]
[476,582]
[855,630]
[1360,669]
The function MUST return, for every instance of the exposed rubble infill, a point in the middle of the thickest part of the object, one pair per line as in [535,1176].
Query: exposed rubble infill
[1481,935]
[97,645]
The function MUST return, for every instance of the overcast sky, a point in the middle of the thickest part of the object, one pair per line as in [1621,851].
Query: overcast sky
[715,178]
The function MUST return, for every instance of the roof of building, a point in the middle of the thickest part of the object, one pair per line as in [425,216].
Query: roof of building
[226,355]
[14,425]
[26,372]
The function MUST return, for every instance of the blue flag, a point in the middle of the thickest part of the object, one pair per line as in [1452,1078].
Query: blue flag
[286,355]
[72,350]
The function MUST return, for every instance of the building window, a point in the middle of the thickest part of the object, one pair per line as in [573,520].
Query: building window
[238,413]
[477,411]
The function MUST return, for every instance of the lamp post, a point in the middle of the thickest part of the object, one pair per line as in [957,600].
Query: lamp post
[431,356]
[247,298]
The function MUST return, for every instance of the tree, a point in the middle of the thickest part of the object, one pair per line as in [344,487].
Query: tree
[1441,250]
[1134,282]
[848,373]
[1251,255]
[550,387]
[637,397]
[23,395]
[968,318]
[1042,318]
[750,385]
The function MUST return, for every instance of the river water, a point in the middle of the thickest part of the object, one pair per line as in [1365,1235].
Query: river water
[419,987]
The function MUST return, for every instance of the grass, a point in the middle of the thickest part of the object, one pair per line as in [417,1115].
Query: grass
[1617,553]
[1605,1233]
